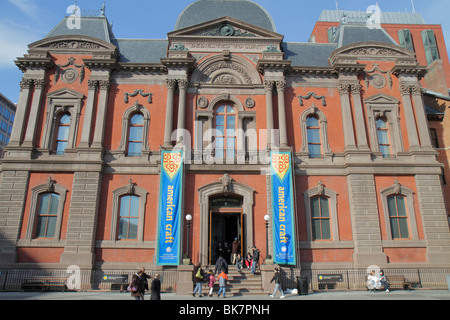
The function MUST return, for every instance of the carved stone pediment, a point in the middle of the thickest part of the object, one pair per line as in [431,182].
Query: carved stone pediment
[370,51]
[73,43]
[225,27]
[224,34]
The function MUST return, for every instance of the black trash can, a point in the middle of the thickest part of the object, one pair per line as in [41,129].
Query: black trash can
[302,286]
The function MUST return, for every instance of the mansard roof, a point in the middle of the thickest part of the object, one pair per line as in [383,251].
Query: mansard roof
[353,33]
[206,10]
[95,27]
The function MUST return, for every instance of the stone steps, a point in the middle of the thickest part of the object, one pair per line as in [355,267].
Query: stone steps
[240,283]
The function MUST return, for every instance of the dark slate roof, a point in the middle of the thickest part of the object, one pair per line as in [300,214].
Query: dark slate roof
[308,54]
[353,33]
[206,10]
[96,27]
[141,51]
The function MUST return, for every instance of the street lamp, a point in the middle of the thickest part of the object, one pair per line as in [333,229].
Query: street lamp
[188,219]
[266,219]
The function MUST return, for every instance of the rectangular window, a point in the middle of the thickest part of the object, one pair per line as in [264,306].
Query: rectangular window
[128,217]
[313,133]
[430,46]
[398,217]
[320,215]
[406,40]
[434,138]
[47,215]
[331,34]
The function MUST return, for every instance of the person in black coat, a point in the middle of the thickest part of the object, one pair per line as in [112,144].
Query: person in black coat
[156,288]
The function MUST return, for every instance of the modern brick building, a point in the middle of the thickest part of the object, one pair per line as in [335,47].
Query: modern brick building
[7,114]
[343,118]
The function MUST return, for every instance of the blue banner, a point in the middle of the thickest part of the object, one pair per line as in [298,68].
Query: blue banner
[170,204]
[282,208]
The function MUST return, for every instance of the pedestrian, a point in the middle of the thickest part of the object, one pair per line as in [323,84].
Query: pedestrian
[235,250]
[384,281]
[248,260]
[239,262]
[221,263]
[136,286]
[255,259]
[373,282]
[277,278]
[223,278]
[144,277]
[197,278]
[156,288]
[211,281]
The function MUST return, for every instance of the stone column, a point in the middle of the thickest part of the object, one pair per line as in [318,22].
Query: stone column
[281,86]
[434,217]
[182,85]
[421,117]
[347,121]
[13,193]
[82,220]
[21,113]
[409,117]
[268,86]
[88,114]
[367,240]
[39,86]
[102,110]
[170,84]
[359,115]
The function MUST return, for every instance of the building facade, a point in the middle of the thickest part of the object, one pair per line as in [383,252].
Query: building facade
[7,114]
[81,182]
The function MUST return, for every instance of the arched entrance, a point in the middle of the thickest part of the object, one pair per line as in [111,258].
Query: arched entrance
[220,220]
[226,223]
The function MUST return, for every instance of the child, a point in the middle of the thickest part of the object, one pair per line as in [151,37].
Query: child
[223,278]
[211,281]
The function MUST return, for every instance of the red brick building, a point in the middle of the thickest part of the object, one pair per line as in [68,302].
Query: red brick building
[81,179]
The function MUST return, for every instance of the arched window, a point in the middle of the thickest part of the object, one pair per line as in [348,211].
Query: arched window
[398,217]
[320,218]
[225,125]
[383,137]
[62,133]
[128,217]
[135,135]
[313,132]
[47,214]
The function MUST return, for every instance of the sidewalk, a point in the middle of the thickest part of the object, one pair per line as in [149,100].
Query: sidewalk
[329,295]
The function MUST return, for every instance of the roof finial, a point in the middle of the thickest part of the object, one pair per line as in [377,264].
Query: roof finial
[103,10]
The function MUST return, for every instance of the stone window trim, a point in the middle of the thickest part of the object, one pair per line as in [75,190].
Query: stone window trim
[205,130]
[386,107]
[130,189]
[325,146]
[136,108]
[60,102]
[398,190]
[50,187]
[322,191]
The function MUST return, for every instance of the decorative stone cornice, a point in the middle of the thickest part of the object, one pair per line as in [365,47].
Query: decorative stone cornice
[28,62]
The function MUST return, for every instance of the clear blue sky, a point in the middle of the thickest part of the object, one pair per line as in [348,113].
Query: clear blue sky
[25,21]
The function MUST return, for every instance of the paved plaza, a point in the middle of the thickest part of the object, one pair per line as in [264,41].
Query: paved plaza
[329,295]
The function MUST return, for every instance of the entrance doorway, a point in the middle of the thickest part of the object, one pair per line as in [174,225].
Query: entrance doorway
[225,224]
